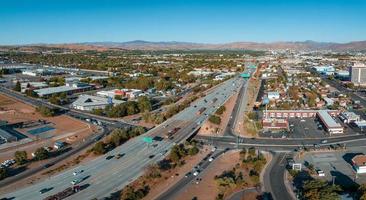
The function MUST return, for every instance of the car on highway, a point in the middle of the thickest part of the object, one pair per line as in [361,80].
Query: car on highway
[44,190]
[109,157]
[76,181]
[187,174]
[211,159]
[77,172]
[163,152]
[324,141]
[120,155]
[196,173]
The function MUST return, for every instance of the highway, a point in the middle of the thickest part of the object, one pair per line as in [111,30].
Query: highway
[76,149]
[106,176]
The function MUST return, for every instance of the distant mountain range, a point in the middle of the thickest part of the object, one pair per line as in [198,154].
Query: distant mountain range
[173,45]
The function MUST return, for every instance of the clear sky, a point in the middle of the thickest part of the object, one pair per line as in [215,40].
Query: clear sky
[206,21]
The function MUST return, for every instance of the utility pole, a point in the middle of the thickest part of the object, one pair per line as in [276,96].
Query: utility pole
[237,142]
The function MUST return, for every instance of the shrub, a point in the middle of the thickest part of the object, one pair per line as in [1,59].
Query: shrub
[214,119]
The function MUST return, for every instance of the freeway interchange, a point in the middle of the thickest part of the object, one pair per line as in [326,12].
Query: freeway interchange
[102,176]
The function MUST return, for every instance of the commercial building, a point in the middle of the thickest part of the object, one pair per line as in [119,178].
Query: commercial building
[342,74]
[327,70]
[69,88]
[6,137]
[359,164]
[358,74]
[89,102]
[127,93]
[349,117]
[32,85]
[275,124]
[331,126]
[295,113]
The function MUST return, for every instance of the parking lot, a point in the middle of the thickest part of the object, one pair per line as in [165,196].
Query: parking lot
[335,165]
[307,128]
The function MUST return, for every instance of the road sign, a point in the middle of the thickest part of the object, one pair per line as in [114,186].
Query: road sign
[296,166]
[148,140]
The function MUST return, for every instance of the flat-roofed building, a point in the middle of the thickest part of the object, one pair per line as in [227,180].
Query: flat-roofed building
[89,102]
[349,117]
[6,137]
[359,164]
[358,74]
[294,113]
[69,88]
[330,124]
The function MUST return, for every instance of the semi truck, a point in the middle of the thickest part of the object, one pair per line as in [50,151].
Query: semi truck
[170,133]
[64,194]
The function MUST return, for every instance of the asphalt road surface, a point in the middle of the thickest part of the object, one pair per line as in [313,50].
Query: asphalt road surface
[274,177]
[102,177]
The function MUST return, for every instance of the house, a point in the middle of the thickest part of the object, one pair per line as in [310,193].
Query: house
[359,164]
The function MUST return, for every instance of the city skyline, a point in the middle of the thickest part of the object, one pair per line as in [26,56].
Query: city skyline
[189,21]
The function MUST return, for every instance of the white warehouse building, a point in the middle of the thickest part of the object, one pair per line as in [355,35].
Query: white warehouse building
[89,102]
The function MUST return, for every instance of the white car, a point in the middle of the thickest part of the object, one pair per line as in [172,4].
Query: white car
[77,172]
[320,173]
[76,181]
[195,173]
[210,159]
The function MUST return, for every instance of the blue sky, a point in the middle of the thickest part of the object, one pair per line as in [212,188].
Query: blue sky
[206,21]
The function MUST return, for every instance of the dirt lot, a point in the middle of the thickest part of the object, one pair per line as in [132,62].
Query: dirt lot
[209,128]
[244,128]
[65,128]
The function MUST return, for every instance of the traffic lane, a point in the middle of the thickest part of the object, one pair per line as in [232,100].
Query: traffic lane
[58,181]
[173,191]
[277,178]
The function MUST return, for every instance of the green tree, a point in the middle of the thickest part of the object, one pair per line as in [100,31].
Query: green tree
[21,157]
[45,111]
[3,173]
[41,154]
[319,189]
[144,104]
[214,119]
[193,151]
[17,87]
[220,110]
[99,148]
